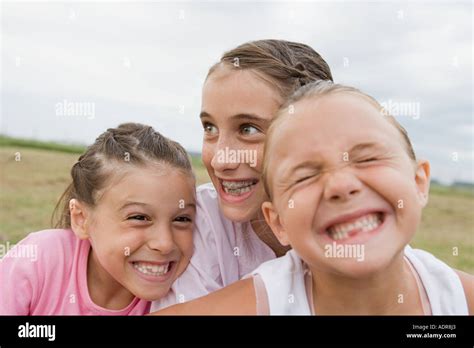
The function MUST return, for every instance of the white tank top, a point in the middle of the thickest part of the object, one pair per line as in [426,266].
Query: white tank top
[284,281]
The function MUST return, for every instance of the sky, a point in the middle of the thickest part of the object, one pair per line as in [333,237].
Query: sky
[70,70]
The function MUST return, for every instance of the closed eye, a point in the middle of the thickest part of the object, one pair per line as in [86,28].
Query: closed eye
[139,217]
[304,178]
[366,160]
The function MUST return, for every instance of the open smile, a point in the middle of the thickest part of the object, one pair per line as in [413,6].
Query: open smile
[154,271]
[360,226]
[236,190]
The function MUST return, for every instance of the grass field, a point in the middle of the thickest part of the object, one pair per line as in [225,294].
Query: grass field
[30,187]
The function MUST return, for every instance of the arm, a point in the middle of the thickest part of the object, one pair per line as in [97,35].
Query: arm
[467,281]
[235,299]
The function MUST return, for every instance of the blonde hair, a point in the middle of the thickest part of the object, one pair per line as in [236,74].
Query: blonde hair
[317,90]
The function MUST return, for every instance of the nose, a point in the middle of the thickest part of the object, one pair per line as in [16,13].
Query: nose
[161,240]
[222,159]
[341,186]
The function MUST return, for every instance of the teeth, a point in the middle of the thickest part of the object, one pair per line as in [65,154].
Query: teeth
[365,223]
[237,188]
[151,269]
[237,184]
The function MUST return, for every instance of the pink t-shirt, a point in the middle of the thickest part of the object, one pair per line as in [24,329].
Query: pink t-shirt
[224,251]
[46,274]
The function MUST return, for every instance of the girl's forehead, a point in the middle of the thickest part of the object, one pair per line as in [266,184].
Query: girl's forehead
[144,179]
[226,75]
[236,83]
[228,105]
[329,125]
[340,114]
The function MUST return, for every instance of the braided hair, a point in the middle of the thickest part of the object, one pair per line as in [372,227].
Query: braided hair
[128,144]
[285,65]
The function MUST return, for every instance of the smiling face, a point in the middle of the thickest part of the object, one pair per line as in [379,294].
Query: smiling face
[341,175]
[237,107]
[141,229]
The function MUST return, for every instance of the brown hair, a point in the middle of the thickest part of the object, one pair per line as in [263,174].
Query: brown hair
[318,90]
[283,64]
[129,143]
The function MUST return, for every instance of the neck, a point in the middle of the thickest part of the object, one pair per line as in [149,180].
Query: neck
[389,292]
[263,231]
[104,290]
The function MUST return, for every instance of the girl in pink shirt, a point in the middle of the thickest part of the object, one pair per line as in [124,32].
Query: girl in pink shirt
[124,233]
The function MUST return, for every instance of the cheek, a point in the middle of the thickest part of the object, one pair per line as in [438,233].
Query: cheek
[112,253]
[115,242]
[259,150]
[303,204]
[207,154]
[396,187]
[399,190]
[130,241]
[184,242]
[299,212]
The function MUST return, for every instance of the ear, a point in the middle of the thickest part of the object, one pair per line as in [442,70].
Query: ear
[273,220]
[422,179]
[79,216]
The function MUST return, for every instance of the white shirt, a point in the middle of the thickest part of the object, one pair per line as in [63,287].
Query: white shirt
[284,281]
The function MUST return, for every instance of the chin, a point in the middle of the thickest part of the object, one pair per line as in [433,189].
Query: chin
[235,214]
[153,295]
[242,213]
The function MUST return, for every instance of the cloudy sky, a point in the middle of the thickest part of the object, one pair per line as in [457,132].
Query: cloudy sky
[146,62]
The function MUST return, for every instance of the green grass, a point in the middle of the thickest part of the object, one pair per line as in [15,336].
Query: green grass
[43,145]
[31,186]
[447,227]
[452,190]
[29,190]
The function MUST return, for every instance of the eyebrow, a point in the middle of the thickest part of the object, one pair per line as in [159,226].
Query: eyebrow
[240,117]
[306,164]
[313,164]
[191,205]
[132,203]
[363,146]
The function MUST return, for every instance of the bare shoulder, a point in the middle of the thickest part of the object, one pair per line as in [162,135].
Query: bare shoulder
[467,281]
[235,299]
